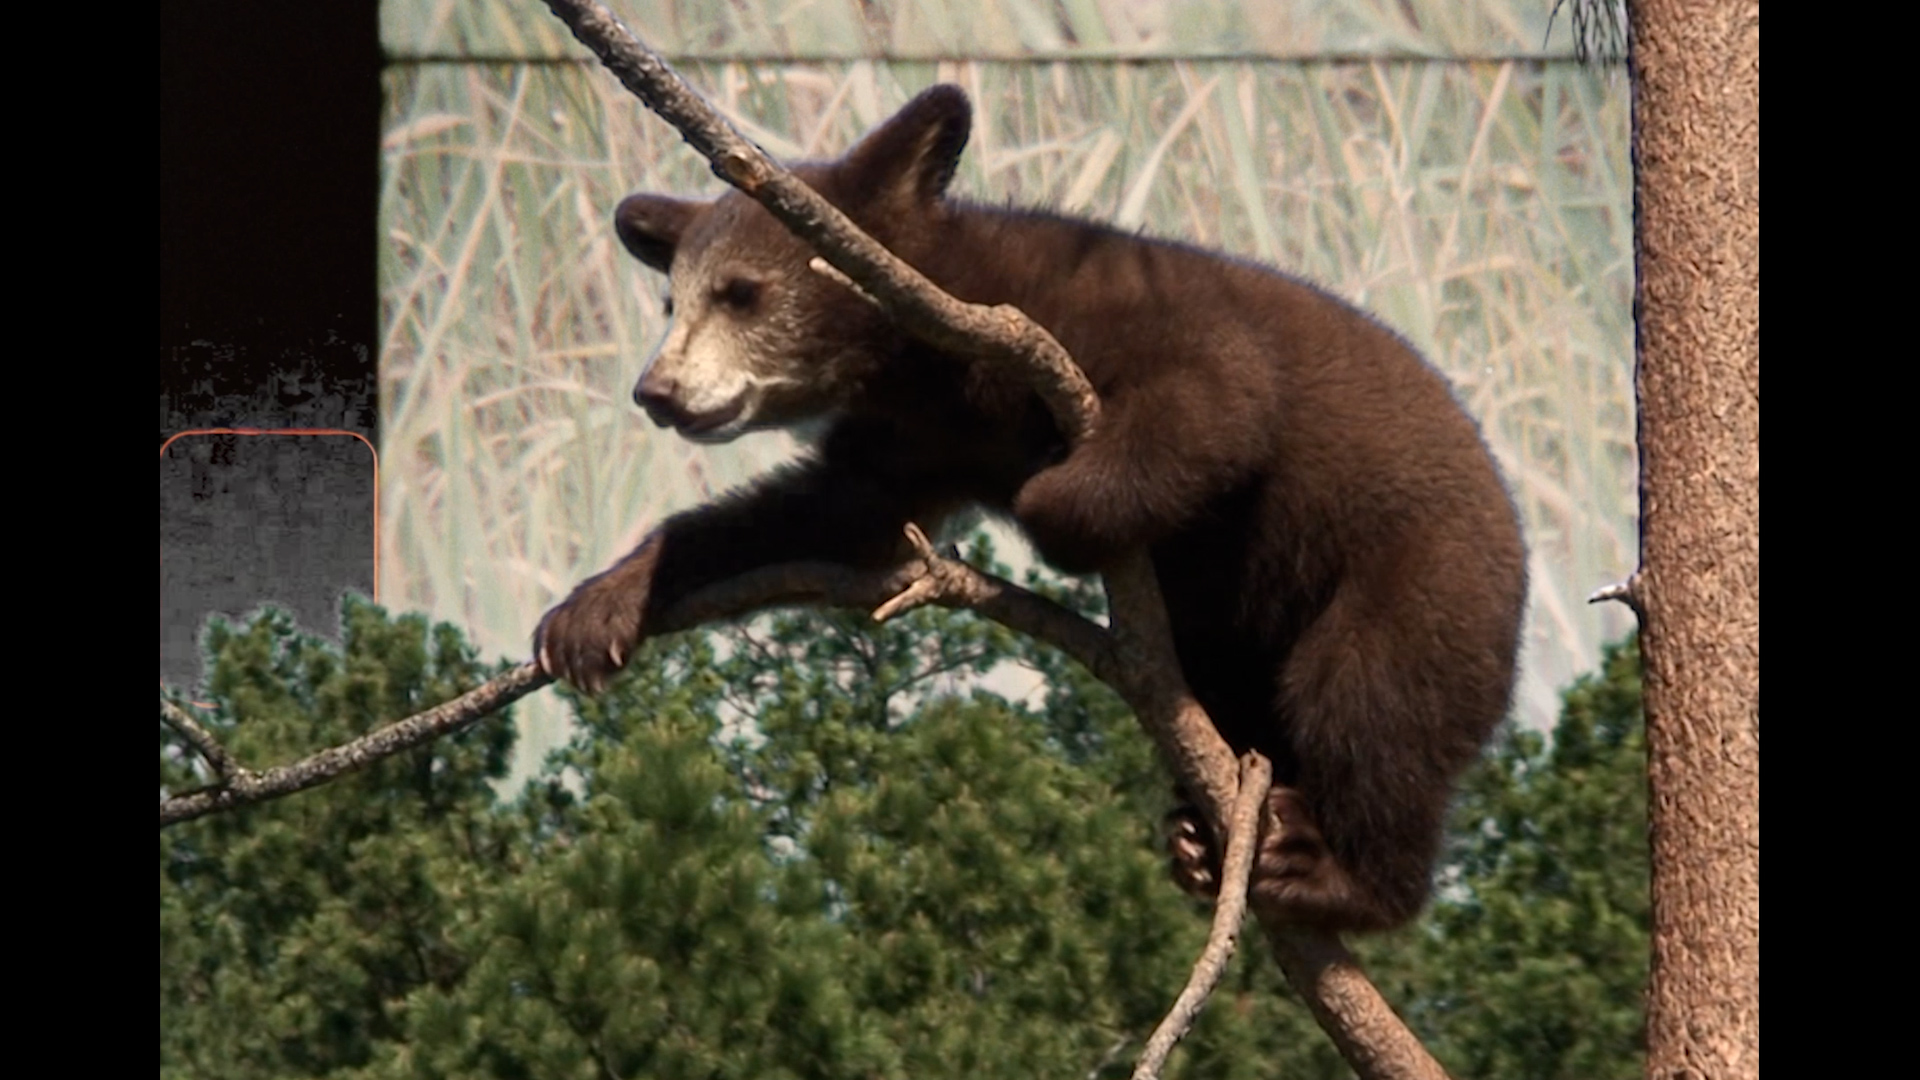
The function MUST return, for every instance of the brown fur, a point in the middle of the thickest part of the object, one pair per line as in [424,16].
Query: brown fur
[1341,562]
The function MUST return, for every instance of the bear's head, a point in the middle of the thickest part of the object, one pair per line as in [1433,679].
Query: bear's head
[758,340]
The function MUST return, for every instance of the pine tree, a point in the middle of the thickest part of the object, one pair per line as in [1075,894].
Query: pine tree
[815,847]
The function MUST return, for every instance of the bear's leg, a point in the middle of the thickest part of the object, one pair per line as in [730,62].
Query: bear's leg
[1379,728]
[1153,461]
[812,512]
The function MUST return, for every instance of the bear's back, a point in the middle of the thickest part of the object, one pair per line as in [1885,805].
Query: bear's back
[1367,477]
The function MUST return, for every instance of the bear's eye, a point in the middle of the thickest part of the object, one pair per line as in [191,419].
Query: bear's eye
[668,302]
[738,293]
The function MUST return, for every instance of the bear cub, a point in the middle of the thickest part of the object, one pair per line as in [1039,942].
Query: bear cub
[1341,562]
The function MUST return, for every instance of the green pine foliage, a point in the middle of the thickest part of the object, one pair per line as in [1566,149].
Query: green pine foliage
[291,933]
[799,848]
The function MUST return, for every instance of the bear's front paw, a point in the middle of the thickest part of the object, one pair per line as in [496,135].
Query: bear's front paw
[1050,509]
[594,632]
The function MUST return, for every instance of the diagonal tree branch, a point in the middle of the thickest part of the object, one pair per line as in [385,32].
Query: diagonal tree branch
[240,787]
[948,582]
[1236,868]
[912,300]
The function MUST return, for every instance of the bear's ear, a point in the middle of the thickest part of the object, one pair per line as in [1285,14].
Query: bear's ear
[916,152]
[651,226]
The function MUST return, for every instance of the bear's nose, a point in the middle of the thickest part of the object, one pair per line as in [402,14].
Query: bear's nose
[659,397]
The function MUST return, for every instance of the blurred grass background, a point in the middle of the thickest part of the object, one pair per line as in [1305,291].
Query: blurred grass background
[1430,161]
[993,29]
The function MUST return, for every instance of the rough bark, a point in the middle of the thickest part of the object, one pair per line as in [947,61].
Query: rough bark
[1696,106]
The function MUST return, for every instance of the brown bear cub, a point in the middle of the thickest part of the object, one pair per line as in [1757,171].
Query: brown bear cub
[1340,559]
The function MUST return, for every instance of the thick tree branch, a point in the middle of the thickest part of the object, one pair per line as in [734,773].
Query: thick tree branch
[1149,678]
[1372,1039]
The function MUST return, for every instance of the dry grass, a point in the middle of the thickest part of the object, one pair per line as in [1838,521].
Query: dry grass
[993,29]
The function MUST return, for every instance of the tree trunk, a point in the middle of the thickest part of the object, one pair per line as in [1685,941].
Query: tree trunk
[1696,144]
